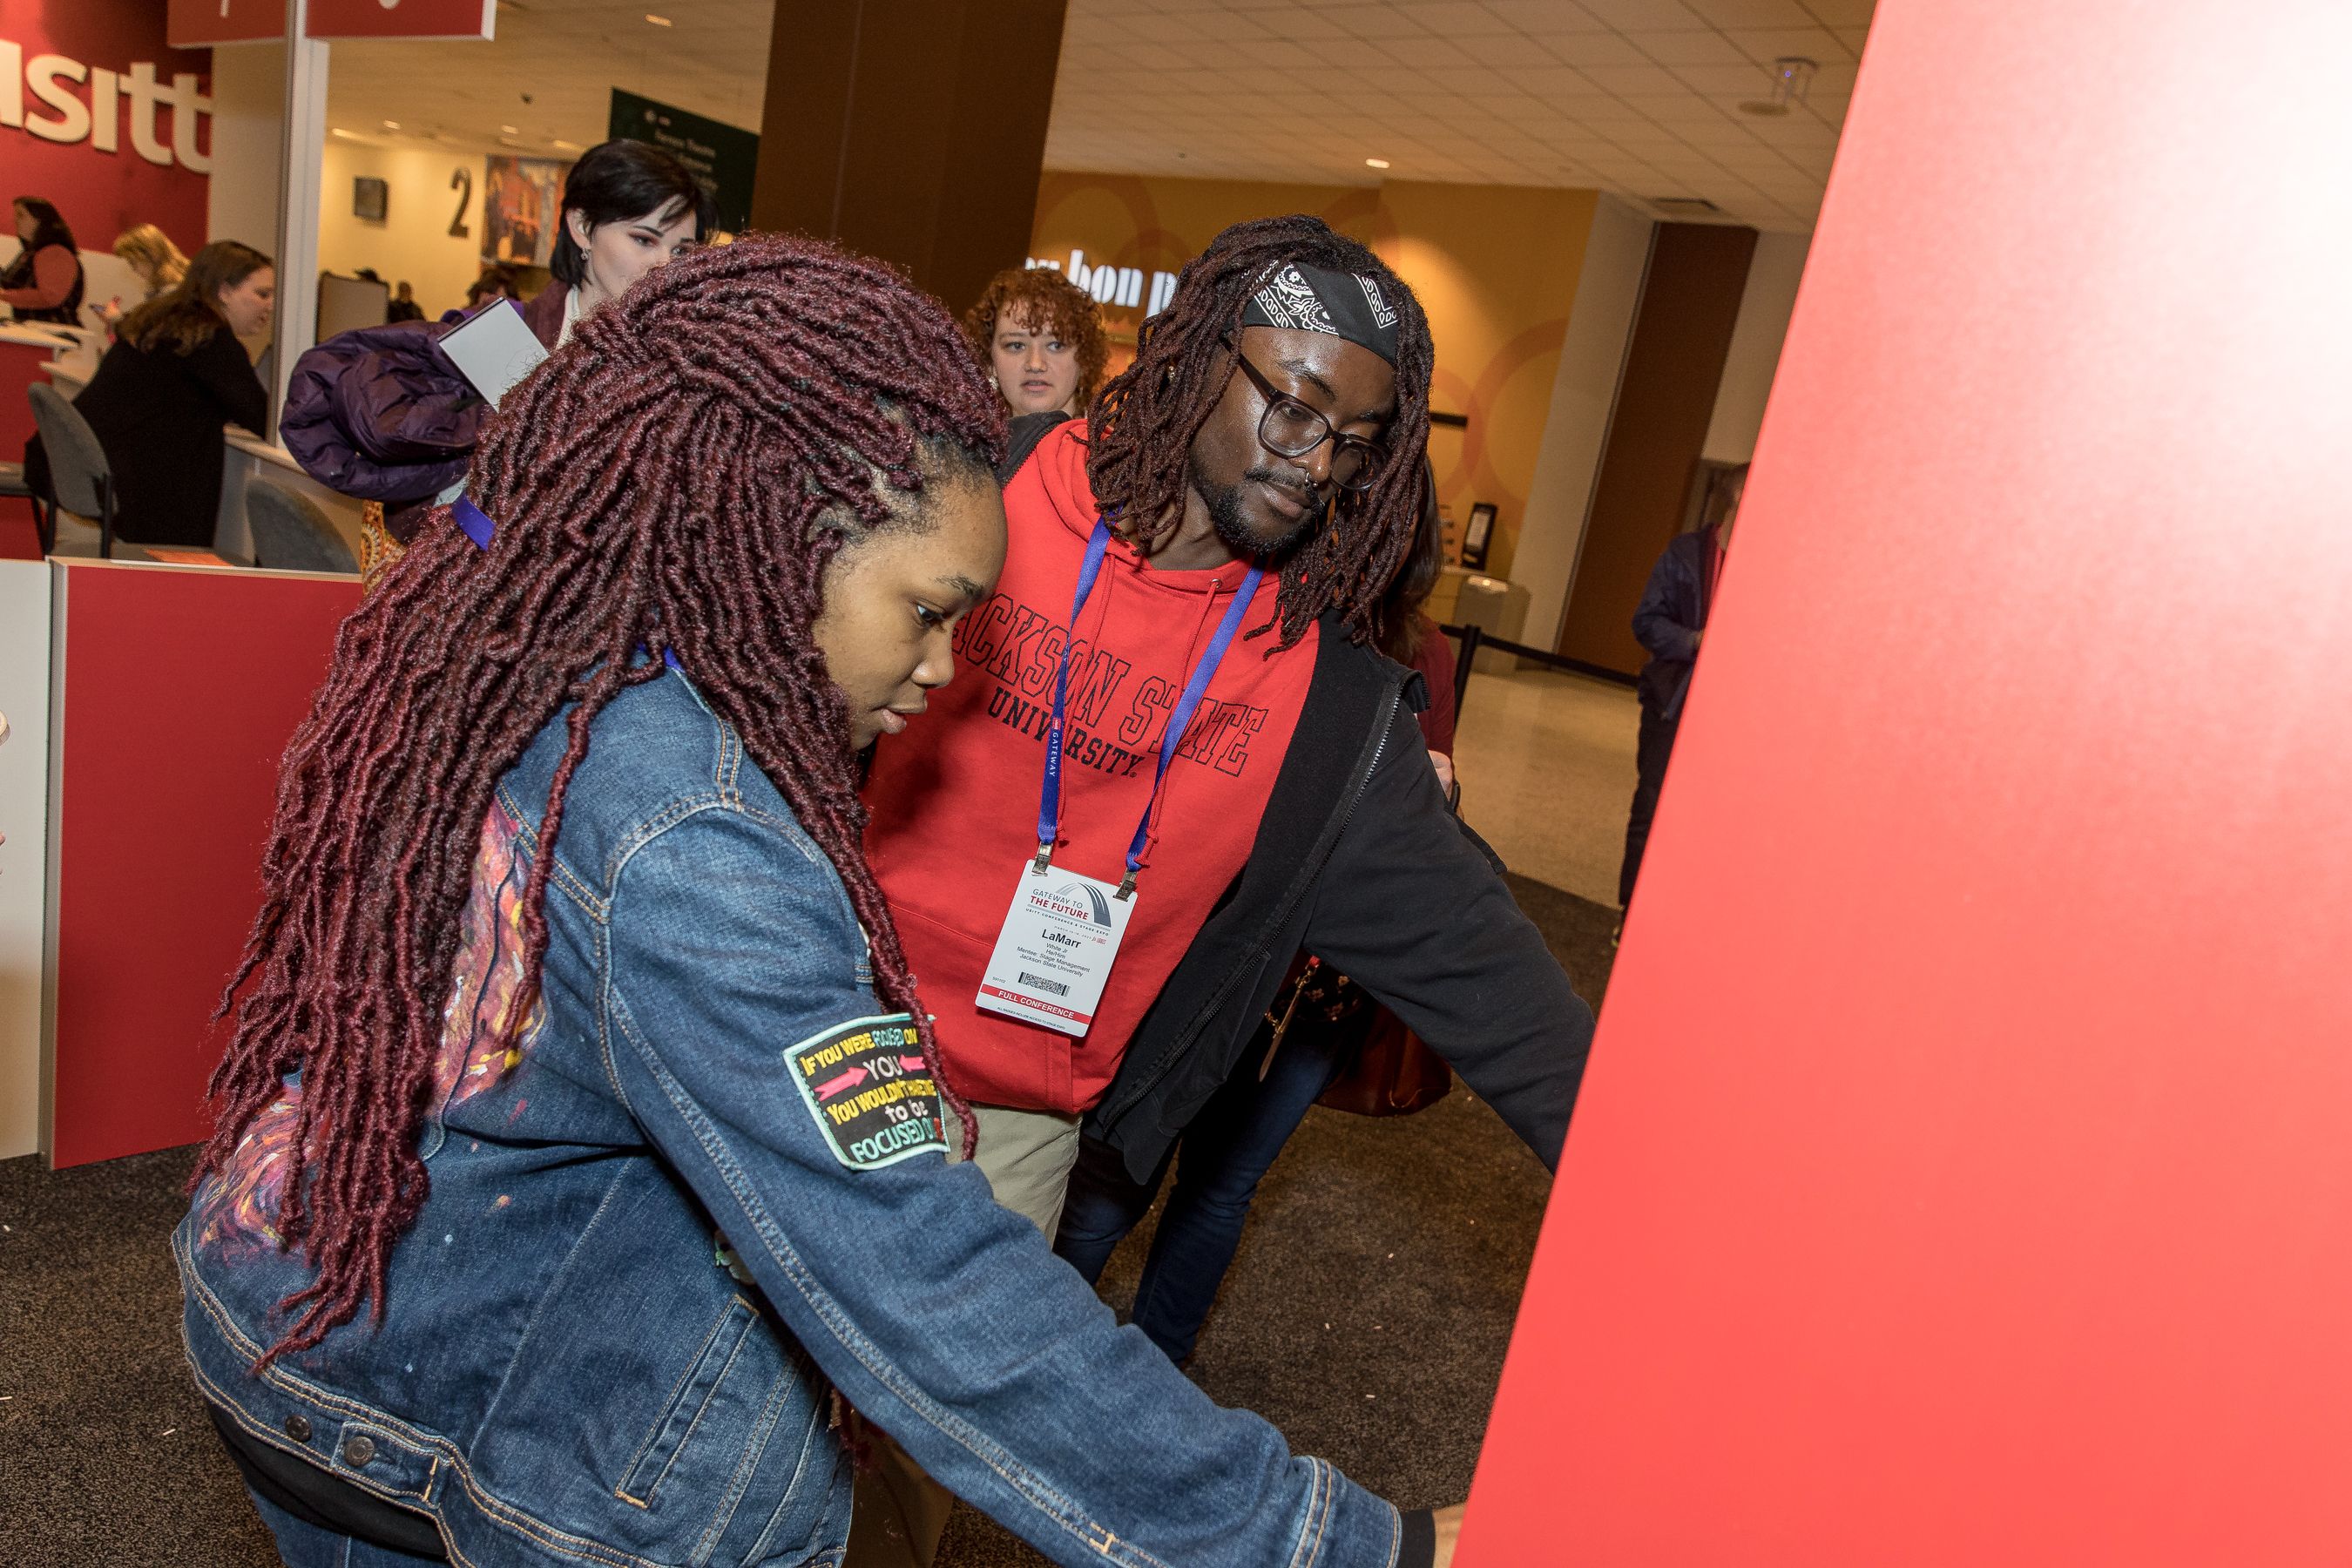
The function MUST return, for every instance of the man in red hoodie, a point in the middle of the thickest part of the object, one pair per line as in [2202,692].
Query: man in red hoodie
[1174,671]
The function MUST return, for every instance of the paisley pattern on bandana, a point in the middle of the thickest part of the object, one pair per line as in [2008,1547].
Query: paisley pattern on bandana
[1290,302]
[239,1204]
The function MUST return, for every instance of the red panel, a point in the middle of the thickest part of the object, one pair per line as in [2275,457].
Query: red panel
[1962,1176]
[180,690]
[195,23]
[400,18]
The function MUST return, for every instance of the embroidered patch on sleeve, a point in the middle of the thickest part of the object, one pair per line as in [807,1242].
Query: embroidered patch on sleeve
[870,1092]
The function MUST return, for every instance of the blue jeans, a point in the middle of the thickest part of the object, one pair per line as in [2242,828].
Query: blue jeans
[1226,1149]
[305,1545]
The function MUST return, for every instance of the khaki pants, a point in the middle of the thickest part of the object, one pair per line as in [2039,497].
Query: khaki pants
[901,1512]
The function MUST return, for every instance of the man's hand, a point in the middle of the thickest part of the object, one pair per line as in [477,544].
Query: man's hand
[1449,1531]
[1444,765]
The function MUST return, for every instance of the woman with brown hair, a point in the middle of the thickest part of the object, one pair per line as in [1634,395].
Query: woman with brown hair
[174,378]
[1039,337]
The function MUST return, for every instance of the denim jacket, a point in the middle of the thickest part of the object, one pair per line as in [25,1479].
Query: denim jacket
[703,1187]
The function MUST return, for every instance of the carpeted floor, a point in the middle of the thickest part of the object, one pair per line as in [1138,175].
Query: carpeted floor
[1367,1316]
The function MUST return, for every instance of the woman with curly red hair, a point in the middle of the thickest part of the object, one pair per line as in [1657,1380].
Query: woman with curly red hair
[1039,337]
[581,1151]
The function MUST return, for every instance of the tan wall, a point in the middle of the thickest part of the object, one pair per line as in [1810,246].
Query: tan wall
[1495,267]
[413,240]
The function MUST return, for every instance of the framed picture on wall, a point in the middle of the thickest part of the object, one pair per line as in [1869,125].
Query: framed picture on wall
[1478,535]
[369,199]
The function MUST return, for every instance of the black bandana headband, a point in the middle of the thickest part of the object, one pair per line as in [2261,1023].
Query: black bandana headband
[1313,298]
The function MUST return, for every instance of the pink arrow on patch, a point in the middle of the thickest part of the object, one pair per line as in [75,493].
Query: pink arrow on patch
[912,1064]
[846,1081]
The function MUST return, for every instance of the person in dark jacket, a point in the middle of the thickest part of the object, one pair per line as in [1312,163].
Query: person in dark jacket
[1296,1054]
[1184,623]
[45,282]
[1669,623]
[174,378]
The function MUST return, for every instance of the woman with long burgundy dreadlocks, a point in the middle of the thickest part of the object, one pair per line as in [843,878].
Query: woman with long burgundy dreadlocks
[581,1153]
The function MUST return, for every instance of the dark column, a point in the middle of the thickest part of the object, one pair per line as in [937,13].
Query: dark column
[910,129]
[1690,302]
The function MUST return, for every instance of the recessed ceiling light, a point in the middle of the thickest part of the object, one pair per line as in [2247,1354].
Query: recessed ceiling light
[341,131]
[1376,163]
[510,131]
[392,125]
[567,146]
[1791,75]
[658,21]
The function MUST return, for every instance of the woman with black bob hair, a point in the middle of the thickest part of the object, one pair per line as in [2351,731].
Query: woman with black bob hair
[627,209]
[44,283]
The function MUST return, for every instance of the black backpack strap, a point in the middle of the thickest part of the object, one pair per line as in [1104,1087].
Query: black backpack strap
[1021,437]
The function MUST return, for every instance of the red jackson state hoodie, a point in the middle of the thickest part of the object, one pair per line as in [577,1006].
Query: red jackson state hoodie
[954,799]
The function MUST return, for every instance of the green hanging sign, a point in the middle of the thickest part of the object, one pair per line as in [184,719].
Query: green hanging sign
[722,157]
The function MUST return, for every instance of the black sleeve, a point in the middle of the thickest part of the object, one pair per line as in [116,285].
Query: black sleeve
[1022,435]
[1417,1543]
[221,368]
[1411,908]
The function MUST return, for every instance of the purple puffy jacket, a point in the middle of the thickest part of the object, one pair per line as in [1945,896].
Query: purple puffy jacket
[380,413]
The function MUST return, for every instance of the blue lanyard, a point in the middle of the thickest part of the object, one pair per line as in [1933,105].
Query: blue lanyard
[1180,718]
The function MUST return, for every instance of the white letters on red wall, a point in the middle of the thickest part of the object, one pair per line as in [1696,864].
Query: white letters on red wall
[100,116]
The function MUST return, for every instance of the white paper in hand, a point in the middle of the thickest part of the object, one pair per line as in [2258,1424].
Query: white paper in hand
[495,349]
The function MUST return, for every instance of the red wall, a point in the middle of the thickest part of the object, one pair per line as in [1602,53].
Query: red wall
[182,688]
[1962,1173]
[102,194]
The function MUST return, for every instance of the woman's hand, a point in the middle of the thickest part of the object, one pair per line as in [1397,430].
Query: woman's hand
[1449,1520]
[111,311]
[1444,765]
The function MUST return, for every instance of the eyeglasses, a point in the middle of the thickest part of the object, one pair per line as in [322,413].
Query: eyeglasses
[1291,429]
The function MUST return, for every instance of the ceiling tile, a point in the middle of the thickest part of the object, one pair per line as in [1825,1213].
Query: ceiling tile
[1497,48]
[1717,133]
[1427,53]
[1647,15]
[1730,14]
[1680,110]
[1556,84]
[1841,13]
[1688,48]
[1592,49]
[1726,82]
[1378,22]
[1546,15]
[1768,44]
[1454,18]
[1629,79]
